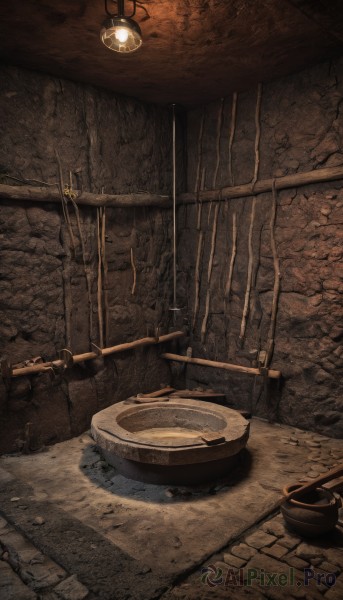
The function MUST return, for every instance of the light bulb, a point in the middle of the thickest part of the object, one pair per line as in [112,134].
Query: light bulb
[121,35]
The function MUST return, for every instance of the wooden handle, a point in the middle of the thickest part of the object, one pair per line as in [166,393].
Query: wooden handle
[135,400]
[332,474]
[221,365]
[159,393]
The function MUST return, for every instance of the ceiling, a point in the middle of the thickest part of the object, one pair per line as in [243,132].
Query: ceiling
[193,50]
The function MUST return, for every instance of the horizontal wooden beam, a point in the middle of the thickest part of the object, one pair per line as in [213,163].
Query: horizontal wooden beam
[264,185]
[51,194]
[8,371]
[222,365]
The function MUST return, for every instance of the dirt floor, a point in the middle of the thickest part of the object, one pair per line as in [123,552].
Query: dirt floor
[100,535]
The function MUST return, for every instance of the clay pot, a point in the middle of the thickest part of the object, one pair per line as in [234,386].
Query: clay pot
[316,513]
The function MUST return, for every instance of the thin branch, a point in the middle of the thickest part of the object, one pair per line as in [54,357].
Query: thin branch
[199,256]
[201,131]
[233,257]
[249,274]
[134,272]
[209,272]
[105,271]
[219,128]
[100,314]
[232,133]
[258,132]
[277,277]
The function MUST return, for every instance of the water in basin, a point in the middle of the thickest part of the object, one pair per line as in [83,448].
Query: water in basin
[166,433]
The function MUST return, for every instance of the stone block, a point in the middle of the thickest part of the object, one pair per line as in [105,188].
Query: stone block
[295,561]
[243,551]
[276,551]
[308,551]
[289,541]
[37,570]
[234,561]
[19,546]
[42,573]
[336,591]
[11,586]
[260,538]
[274,527]
[71,589]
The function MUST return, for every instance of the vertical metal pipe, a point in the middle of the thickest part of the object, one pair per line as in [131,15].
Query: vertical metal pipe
[174,210]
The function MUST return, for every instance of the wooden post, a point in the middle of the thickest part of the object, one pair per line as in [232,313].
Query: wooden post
[264,185]
[221,365]
[77,358]
[49,194]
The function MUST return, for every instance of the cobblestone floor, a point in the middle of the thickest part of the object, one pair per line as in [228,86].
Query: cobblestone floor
[258,558]
[28,574]
[270,562]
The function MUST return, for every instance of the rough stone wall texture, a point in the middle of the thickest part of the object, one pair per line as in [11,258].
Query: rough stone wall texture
[301,129]
[115,144]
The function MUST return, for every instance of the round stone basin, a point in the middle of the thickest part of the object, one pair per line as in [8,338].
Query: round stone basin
[176,440]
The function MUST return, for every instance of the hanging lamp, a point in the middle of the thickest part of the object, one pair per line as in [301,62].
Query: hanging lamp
[120,32]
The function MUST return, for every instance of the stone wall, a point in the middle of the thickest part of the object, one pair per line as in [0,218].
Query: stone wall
[107,143]
[301,123]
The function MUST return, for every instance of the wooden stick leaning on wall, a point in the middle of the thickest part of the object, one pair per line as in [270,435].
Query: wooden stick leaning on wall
[216,169]
[258,133]
[214,226]
[221,365]
[64,201]
[199,185]
[232,259]
[232,133]
[276,290]
[99,286]
[197,277]
[105,272]
[219,128]
[134,272]
[77,358]
[249,274]
[83,251]
[209,272]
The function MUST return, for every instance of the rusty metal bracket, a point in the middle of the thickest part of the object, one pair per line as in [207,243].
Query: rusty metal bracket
[67,357]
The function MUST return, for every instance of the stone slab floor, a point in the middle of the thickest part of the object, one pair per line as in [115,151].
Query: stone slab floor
[73,528]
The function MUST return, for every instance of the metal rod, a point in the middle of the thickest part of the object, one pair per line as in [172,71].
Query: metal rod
[174,210]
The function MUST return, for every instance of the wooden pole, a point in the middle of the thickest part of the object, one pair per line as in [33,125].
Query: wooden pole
[221,365]
[258,133]
[77,358]
[48,194]
[276,287]
[232,133]
[246,306]
[264,185]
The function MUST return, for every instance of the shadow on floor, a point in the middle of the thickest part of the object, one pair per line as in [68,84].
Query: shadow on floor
[94,466]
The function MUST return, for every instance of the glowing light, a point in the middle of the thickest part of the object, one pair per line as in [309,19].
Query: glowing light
[122,35]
